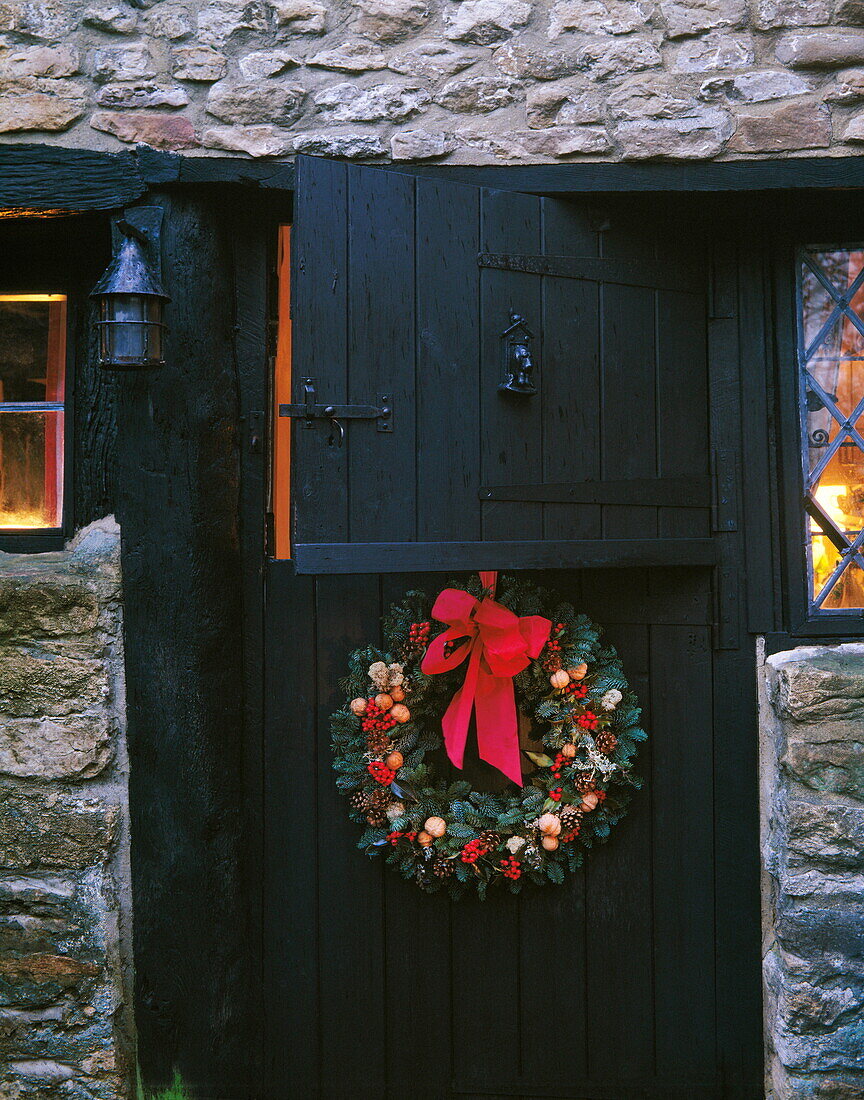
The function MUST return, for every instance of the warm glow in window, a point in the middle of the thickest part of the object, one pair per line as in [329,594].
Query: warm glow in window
[831,360]
[32,394]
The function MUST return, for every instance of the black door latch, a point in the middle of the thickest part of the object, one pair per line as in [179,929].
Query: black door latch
[311,410]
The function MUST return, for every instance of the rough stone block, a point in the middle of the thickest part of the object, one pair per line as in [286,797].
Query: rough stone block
[43,20]
[824,49]
[262,64]
[201,64]
[391,20]
[248,102]
[598,16]
[698,135]
[222,20]
[563,104]
[849,11]
[301,16]
[133,62]
[755,87]
[349,146]
[714,51]
[642,98]
[111,18]
[432,60]
[169,21]
[32,981]
[477,94]
[825,835]
[611,57]
[419,145]
[78,746]
[819,682]
[536,62]
[485,21]
[39,105]
[846,87]
[158,130]
[827,757]
[345,102]
[135,96]
[792,126]
[256,141]
[42,828]
[770,14]
[350,57]
[44,61]
[689,17]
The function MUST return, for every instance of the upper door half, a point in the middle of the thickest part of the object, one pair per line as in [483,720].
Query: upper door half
[403,291]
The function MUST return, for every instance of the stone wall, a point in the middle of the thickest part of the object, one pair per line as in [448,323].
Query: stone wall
[65,938]
[473,81]
[812,712]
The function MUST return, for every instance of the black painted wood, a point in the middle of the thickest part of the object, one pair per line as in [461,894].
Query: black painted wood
[401,557]
[45,179]
[644,951]
[178,506]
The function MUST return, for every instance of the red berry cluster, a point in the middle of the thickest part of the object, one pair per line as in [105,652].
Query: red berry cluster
[601,796]
[559,764]
[552,649]
[567,838]
[473,850]
[512,868]
[555,794]
[418,636]
[578,691]
[377,719]
[396,836]
[380,772]
[588,720]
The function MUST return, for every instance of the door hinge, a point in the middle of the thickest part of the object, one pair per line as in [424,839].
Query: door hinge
[256,432]
[311,409]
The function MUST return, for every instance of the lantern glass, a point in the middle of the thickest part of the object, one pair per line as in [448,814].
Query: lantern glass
[130,327]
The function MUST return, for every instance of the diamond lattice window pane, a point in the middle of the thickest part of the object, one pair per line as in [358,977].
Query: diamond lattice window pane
[831,358]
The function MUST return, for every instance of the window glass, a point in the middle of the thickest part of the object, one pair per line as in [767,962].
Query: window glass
[831,361]
[32,394]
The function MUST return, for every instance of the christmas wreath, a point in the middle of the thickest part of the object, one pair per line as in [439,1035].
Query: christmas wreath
[550,708]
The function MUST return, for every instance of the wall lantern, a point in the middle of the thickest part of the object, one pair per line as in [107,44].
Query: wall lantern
[518,360]
[130,295]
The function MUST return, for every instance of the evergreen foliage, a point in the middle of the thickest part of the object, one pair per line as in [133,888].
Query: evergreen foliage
[502,827]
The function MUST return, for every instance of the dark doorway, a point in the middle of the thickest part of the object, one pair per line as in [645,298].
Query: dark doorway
[639,977]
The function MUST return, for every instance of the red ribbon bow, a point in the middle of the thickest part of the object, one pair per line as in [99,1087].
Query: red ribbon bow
[498,644]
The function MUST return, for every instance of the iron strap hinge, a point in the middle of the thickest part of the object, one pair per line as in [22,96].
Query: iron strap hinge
[311,409]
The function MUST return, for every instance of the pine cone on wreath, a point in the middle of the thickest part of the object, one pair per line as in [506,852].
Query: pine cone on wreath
[359,801]
[570,819]
[489,839]
[379,799]
[584,782]
[443,868]
[378,742]
[376,818]
[606,741]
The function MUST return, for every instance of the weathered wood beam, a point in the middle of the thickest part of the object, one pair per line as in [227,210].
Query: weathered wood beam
[45,179]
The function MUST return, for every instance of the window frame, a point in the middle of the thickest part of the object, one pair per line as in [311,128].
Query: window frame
[44,539]
[802,618]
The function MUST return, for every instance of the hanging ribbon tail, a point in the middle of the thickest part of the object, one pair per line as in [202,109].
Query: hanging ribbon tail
[497,725]
[457,717]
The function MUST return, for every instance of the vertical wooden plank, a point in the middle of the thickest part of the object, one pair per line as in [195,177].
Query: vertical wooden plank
[292,757]
[419,1057]
[320,280]
[351,929]
[449,429]
[683,429]
[570,368]
[619,990]
[511,427]
[254,244]
[683,850]
[381,337]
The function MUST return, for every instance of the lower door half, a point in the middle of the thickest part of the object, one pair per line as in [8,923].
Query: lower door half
[639,977]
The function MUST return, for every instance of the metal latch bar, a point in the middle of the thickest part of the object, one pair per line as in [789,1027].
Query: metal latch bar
[311,409]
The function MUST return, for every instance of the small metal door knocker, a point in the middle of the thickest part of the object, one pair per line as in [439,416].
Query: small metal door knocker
[518,365]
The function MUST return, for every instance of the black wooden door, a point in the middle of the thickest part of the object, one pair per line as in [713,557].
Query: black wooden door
[639,977]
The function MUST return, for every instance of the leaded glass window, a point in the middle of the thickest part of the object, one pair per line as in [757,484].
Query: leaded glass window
[831,374]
